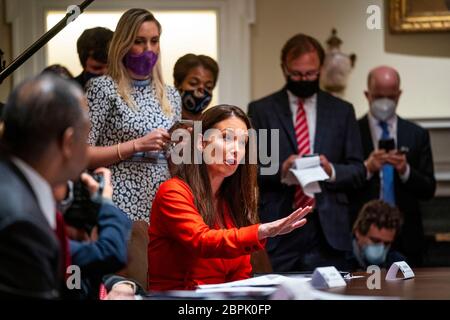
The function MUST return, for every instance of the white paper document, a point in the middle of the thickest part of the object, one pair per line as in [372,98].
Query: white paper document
[306,172]
[267,280]
[405,269]
[294,290]
[249,290]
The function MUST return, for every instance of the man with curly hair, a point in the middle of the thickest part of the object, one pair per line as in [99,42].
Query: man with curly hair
[374,231]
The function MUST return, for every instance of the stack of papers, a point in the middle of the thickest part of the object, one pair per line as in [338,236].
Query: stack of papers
[306,172]
[262,284]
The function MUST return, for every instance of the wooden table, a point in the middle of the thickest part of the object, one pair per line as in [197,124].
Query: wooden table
[429,283]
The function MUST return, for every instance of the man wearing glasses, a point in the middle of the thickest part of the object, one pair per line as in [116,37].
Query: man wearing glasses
[309,121]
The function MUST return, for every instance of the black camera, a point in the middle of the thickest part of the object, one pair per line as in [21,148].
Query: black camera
[84,210]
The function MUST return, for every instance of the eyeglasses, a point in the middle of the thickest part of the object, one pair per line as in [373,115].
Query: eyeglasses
[295,75]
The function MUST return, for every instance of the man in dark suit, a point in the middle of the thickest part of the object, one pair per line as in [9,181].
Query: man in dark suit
[402,176]
[309,121]
[43,145]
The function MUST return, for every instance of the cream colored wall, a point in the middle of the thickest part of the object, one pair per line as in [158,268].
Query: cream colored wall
[5,45]
[423,60]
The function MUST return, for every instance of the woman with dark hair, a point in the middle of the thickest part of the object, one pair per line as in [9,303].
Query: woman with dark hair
[195,77]
[204,222]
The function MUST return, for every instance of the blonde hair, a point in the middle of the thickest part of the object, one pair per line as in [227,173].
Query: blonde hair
[122,41]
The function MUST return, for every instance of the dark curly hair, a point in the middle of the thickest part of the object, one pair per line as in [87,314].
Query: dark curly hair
[379,213]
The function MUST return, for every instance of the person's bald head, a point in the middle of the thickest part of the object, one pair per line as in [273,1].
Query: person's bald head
[383,76]
[383,82]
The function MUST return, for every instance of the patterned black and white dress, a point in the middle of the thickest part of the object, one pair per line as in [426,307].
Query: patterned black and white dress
[113,121]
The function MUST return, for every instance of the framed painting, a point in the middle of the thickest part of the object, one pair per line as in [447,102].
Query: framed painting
[419,15]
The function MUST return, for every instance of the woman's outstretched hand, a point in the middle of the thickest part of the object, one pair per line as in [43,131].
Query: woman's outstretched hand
[285,225]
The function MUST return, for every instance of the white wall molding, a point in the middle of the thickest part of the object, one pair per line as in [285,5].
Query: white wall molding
[433,123]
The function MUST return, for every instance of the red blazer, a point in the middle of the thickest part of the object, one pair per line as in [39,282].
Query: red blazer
[184,252]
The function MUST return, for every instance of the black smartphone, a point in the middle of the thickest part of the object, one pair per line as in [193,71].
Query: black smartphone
[183,123]
[386,144]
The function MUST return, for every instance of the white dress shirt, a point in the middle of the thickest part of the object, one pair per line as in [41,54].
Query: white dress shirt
[310,106]
[376,133]
[41,189]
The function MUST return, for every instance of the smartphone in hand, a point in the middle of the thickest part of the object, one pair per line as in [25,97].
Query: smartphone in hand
[386,144]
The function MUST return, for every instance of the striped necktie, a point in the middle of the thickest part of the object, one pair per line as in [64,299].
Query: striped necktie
[303,147]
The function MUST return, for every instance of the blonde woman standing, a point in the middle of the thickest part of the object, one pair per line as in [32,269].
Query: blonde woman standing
[131,110]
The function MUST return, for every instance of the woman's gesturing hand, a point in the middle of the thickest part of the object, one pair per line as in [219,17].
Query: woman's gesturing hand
[285,225]
[153,141]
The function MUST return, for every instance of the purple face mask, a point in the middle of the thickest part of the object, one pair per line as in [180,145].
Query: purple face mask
[140,64]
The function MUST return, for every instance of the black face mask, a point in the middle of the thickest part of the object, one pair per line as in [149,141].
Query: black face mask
[88,76]
[303,89]
[195,104]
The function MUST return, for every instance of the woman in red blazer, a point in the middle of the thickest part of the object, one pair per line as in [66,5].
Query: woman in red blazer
[204,224]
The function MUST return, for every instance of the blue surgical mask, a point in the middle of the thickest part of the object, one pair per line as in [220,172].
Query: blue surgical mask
[375,253]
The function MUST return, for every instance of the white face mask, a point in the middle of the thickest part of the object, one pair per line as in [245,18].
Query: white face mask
[383,109]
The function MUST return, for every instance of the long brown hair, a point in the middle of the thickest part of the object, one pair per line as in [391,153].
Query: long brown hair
[122,41]
[238,191]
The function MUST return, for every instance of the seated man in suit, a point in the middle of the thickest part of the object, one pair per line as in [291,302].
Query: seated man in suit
[404,175]
[309,121]
[43,144]
[374,232]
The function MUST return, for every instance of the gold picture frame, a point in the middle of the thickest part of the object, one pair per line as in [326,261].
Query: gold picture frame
[419,15]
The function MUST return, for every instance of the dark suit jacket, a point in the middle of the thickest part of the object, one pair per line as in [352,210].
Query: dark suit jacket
[336,137]
[421,184]
[81,80]
[29,248]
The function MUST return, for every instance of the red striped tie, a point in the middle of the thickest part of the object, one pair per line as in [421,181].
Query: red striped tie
[302,135]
